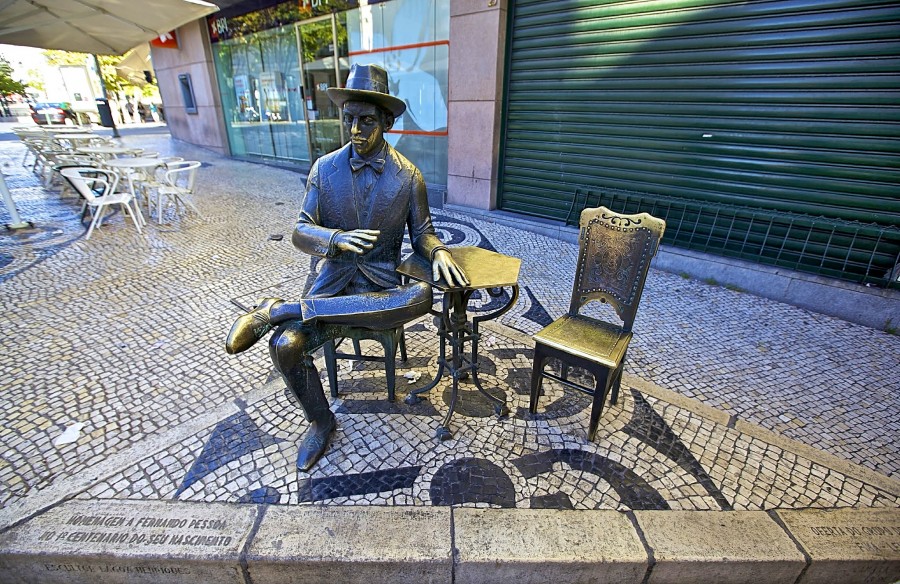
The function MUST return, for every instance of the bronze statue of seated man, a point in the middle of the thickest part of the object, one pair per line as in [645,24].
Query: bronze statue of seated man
[359,200]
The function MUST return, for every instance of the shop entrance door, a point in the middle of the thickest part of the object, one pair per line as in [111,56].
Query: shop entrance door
[322,45]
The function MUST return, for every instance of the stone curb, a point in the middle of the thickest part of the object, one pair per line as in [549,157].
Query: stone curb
[102,541]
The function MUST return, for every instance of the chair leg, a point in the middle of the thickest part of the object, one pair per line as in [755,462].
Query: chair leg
[390,373]
[617,380]
[537,377]
[138,215]
[98,214]
[189,205]
[331,367]
[127,210]
[602,377]
[159,208]
[390,341]
[402,344]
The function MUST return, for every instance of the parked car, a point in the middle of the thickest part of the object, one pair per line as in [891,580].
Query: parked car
[53,113]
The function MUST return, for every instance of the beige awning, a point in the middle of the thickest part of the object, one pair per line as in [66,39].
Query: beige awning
[134,63]
[105,27]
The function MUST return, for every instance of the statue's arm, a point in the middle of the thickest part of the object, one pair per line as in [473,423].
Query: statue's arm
[309,235]
[421,230]
[425,240]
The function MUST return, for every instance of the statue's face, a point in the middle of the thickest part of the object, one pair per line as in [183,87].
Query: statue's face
[366,124]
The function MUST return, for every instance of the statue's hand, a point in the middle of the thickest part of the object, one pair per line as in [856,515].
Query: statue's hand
[443,266]
[356,241]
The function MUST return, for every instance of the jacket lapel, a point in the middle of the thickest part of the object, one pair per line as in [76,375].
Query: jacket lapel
[386,189]
[342,199]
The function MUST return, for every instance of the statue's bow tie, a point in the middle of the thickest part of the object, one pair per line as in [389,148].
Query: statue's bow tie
[377,164]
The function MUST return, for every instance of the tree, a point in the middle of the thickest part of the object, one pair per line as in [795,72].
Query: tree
[35,80]
[56,58]
[8,85]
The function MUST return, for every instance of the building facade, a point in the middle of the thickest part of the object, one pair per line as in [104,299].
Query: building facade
[766,131]
[269,64]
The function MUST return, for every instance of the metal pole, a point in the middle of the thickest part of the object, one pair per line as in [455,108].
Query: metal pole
[304,91]
[112,118]
[16,221]
[335,54]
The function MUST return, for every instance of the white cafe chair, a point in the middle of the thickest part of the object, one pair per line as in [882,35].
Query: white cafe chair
[66,160]
[178,187]
[155,179]
[97,187]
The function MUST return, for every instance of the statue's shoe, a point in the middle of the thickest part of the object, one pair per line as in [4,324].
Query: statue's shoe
[315,442]
[250,327]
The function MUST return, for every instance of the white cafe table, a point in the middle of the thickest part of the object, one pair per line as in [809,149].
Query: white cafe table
[106,151]
[32,133]
[76,139]
[141,162]
[142,165]
[69,130]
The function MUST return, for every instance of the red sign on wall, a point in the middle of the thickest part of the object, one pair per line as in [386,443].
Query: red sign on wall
[165,41]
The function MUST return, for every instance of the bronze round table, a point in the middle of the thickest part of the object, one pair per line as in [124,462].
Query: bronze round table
[487,270]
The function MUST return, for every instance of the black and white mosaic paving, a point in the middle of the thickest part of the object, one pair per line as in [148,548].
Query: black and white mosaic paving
[648,454]
[124,335]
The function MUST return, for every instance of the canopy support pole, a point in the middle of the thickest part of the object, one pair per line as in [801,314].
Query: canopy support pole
[16,221]
[105,95]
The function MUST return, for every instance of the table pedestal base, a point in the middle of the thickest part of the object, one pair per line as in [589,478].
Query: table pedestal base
[455,329]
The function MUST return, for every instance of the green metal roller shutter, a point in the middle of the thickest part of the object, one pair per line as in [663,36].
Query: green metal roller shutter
[702,108]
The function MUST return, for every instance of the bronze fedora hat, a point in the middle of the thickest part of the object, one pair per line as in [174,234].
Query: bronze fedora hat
[367,83]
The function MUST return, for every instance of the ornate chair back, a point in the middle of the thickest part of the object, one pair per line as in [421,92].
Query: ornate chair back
[181,174]
[613,260]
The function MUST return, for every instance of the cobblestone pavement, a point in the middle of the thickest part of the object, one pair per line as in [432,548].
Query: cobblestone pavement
[124,334]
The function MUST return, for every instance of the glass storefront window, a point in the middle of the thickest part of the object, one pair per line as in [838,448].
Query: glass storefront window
[273,81]
[259,80]
[410,38]
[317,41]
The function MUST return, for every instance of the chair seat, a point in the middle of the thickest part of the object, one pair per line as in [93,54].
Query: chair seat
[170,190]
[592,339]
[113,198]
[390,339]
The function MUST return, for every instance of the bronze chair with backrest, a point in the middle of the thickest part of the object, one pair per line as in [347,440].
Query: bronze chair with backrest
[390,340]
[613,260]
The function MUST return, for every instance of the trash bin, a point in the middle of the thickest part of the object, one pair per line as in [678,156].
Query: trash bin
[106,119]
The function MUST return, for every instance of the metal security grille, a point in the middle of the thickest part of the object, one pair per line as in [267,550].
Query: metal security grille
[864,253]
[782,106]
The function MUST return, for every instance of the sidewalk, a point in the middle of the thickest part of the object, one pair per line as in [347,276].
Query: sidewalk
[729,401]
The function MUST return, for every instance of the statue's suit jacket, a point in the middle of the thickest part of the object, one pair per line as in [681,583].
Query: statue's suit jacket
[398,200]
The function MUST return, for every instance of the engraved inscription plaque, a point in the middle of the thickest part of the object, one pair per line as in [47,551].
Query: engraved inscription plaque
[848,545]
[128,541]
